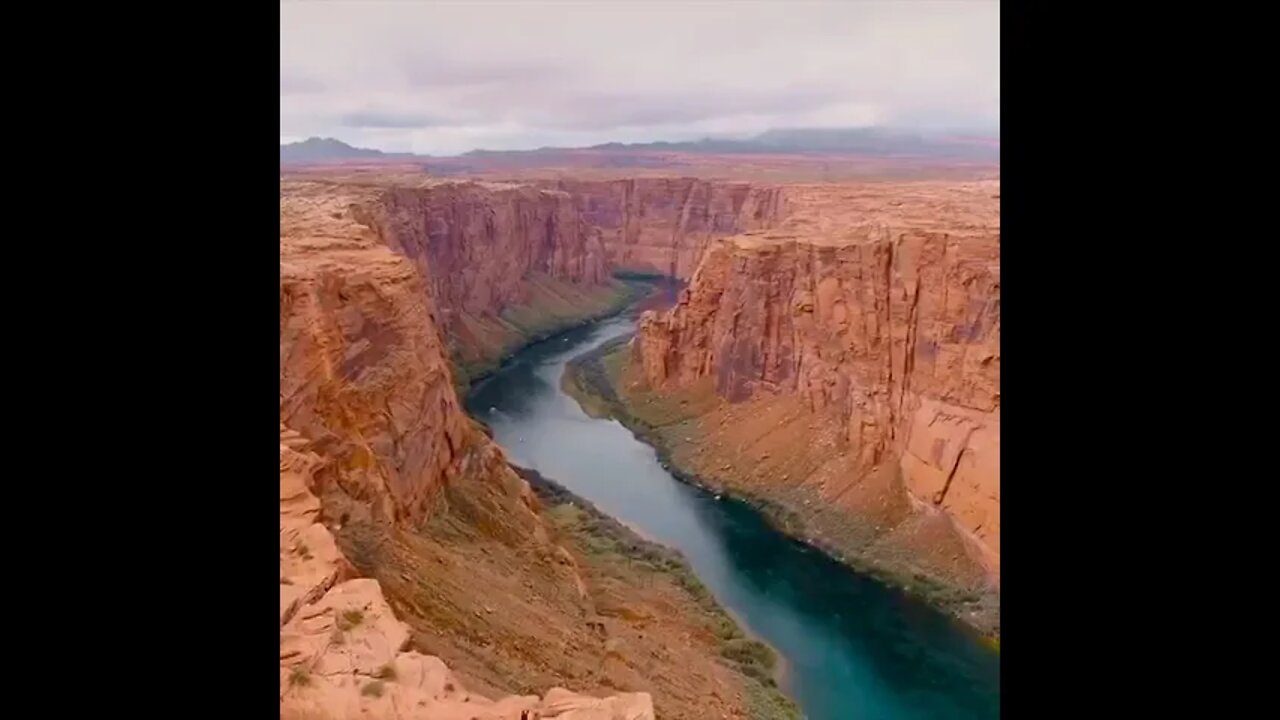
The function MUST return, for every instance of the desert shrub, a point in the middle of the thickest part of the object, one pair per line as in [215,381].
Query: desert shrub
[373,689]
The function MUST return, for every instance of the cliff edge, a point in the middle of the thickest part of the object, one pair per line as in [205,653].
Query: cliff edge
[344,654]
[368,411]
[420,574]
[846,365]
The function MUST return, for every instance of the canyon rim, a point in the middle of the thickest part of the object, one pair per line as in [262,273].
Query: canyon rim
[614,389]
[834,357]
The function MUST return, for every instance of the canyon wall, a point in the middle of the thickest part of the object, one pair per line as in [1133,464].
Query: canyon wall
[363,370]
[480,240]
[888,335]
[368,410]
[505,263]
[663,225]
[344,654]
[420,574]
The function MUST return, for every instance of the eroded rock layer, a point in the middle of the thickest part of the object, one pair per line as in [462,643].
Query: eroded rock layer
[508,262]
[663,225]
[408,543]
[368,409]
[504,263]
[877,310]
[344,654]
[363,370]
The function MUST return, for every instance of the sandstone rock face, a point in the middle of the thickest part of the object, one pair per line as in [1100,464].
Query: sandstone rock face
[882,306]
[501,263]
[478,241]
[362,365]
[342,651]
[663,225]
[505,263]
[368,407]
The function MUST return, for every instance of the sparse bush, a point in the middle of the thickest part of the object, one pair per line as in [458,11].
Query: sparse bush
[725,628]
[299,677]
[349,619]
[745,651]
[768,703]
[693,586]
[373,689]
[388,672]
[759,674]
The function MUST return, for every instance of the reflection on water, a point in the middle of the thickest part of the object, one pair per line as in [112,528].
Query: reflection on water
[853,647]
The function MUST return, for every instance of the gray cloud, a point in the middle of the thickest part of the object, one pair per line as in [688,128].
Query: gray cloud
[618,108]
[392,119]
[294,84]
[440,77]
[423,68]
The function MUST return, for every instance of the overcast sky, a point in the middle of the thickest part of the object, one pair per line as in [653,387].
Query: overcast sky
[447,77]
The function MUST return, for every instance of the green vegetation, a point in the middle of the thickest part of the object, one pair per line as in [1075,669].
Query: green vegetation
[553,308]
[299,677]
[604,537]
[349,619]
[587,379]
[766,703]
[749,652]
[591,379]
[637,276]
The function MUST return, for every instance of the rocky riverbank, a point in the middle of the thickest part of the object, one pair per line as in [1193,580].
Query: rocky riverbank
[603,382]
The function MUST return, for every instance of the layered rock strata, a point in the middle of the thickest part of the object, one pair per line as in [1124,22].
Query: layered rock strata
[368,409]
[407,541]
[343,653]
[662,225]
[876,313]
[363,370]
[507,263]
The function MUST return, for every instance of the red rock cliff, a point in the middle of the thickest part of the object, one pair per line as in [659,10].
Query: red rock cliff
[363,370]
[880,308]
[663,225]
[505,263]
[480,240]
[343,652]
[368,408]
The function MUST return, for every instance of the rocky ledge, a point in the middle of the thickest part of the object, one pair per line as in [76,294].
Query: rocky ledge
[343,652]
[845,365]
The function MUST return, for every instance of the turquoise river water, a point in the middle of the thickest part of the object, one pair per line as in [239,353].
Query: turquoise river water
[852,646]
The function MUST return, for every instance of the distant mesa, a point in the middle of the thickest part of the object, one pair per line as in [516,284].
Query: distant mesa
[856,141]
[871,142]
[316,149]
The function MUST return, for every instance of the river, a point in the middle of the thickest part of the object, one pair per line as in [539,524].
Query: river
[852,647]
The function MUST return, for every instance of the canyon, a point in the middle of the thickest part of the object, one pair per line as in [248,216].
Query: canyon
[835,357]
[845,365]
[508,263]
[661,226]
[343,650]
[420,572]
